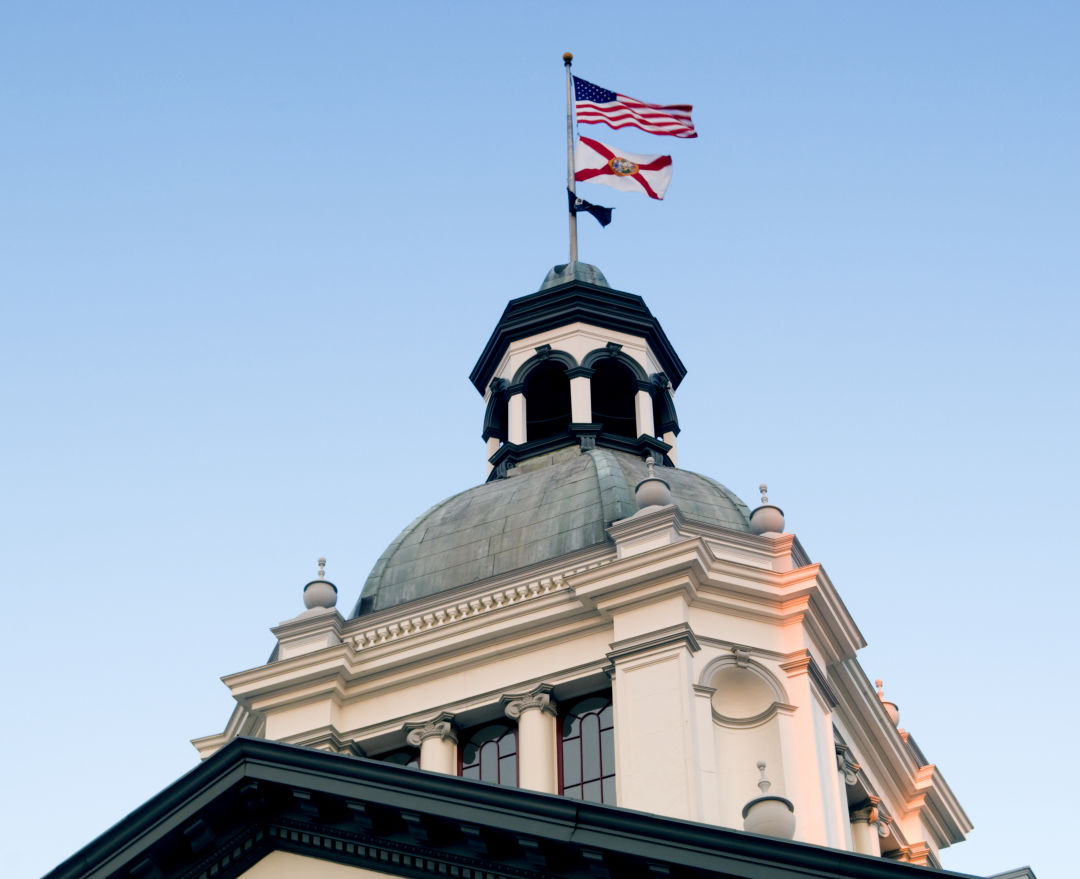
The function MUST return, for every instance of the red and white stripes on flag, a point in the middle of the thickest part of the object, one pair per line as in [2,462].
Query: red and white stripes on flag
[599,163]
[595,104]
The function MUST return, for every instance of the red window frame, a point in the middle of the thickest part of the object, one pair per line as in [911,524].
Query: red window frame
[587,750]
[496,757]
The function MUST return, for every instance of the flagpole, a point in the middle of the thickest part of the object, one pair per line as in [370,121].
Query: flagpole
[567,58]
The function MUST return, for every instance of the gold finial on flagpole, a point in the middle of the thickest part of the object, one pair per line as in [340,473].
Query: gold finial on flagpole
[567,57]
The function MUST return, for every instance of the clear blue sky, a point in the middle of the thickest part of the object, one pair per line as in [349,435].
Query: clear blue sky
[249,253]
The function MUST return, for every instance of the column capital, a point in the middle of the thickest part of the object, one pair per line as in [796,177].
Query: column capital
[869,812]
[846,764]
[540,698]
[440,727]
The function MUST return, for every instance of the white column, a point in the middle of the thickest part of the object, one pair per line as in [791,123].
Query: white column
[537,740]
[437,741]
[847,774]
[516,416]
[864,832]
[643,411]
[581,398]
[672,441]
[493,446]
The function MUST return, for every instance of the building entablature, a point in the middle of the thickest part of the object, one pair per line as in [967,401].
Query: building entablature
[939,810]
[916,795]
[394,648]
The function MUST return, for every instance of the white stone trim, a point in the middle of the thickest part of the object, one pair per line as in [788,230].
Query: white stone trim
[464,609]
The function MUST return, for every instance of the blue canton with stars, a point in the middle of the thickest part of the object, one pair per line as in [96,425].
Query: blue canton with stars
[586,91]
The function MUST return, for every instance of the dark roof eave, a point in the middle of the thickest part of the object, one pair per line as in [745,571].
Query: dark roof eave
[164,819]
[569,303]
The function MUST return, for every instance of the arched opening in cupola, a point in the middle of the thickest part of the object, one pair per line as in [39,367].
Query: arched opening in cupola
[547,401]
[613,391]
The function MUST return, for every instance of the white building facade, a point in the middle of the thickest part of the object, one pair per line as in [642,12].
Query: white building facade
[595,625]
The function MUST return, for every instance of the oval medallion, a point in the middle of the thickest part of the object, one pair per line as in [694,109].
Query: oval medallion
[622,167]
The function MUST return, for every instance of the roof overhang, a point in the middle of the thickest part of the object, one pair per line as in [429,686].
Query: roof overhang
[576,301]
[254,797]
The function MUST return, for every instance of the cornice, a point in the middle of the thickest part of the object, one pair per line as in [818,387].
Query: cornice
[911,789]
[940,810]
[871,734]
[326,738]
[691,565]
[438,611]
[299,679]
[676,567]
[311,621]
[802,662]
[576,302]
[662,640]
[436,619]
[469,642]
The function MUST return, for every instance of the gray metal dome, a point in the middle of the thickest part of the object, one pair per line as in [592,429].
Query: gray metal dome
[551,505]
[575,271]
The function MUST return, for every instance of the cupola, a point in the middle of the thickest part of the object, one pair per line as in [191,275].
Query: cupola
[577,364]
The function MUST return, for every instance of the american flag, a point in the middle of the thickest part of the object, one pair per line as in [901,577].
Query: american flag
[595,104]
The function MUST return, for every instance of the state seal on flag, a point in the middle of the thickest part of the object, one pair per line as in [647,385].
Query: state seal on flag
[629,172]
[622,166]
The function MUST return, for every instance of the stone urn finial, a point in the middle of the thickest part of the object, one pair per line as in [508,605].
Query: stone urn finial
[767,814]
[320,592]
[766,518]
[652,491]
[890,707]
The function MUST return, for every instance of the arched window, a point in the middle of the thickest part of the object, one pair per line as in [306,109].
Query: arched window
[490,754]
[588,751]
[404,757]
[547,401]
[613,391]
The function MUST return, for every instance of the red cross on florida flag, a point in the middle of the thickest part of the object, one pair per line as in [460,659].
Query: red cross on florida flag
[599,163]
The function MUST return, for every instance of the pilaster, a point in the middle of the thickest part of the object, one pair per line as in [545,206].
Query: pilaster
[672,440]
[515,409]
[643,410]
[655,737]
[493,444]
[810,784]
[580,394]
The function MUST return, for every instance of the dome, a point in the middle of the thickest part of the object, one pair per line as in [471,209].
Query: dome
[551,505]
[575,271]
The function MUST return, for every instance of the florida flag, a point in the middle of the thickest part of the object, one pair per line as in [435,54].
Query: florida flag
[599,163]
